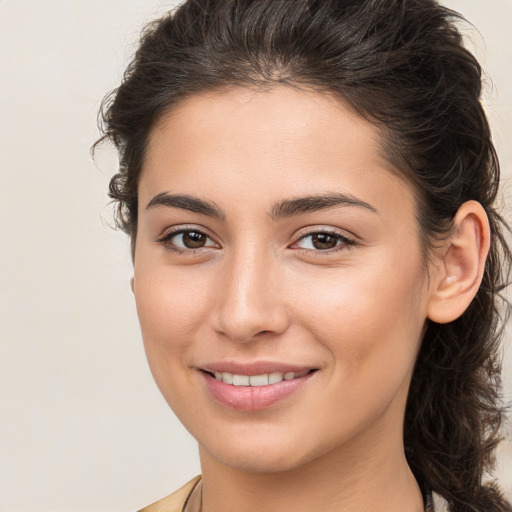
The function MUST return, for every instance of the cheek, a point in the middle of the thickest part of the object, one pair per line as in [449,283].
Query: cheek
[169,312]
[168,295]
[369,317]
[372,330]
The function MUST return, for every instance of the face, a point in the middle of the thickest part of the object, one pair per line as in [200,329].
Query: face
[279,278]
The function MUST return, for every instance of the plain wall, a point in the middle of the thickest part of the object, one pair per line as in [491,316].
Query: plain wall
[82,425]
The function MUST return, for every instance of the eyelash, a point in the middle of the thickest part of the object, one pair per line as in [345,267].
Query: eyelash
[166,241]
[342,242]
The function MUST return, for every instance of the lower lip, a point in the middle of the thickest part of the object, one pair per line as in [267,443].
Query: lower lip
[253,398]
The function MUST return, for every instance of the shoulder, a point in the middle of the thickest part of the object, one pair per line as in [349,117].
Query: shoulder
[175,501]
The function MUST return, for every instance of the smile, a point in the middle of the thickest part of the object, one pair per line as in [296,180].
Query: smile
[266,379]
[257,391]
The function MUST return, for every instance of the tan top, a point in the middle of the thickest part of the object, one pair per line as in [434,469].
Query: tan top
[188,499]
[178,500]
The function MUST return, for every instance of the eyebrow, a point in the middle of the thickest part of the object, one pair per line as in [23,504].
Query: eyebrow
[186,202]
[314,203]
[280,210]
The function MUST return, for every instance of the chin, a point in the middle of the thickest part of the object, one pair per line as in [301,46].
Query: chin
[273,454]
[259,460]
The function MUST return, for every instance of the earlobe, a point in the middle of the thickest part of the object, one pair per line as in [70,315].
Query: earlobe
[461,264]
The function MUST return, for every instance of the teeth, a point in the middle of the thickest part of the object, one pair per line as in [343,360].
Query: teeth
[275,378]
[257,380]
[241,380]
[227,377]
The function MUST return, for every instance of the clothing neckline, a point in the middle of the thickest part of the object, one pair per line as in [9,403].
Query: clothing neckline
[193,502]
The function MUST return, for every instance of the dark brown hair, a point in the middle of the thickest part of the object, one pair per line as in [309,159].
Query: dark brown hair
[401,65]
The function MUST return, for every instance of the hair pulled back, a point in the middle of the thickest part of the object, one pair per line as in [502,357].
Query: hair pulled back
[401,65]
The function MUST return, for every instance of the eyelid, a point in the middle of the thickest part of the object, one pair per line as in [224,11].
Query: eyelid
[165,238]
[347,240]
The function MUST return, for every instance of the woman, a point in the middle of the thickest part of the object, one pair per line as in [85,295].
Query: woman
[309,188]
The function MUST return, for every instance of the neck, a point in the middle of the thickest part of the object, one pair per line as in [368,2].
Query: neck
[350,480]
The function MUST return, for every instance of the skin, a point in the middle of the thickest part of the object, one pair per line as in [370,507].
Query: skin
[260,289]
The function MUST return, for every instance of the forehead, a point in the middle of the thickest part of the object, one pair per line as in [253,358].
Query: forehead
[260,144]
[275,120]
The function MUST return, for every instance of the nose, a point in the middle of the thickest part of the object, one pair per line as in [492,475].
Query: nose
[250,299]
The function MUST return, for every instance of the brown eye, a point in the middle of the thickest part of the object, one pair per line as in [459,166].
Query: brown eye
[323,241]
[193,239]
[187,239]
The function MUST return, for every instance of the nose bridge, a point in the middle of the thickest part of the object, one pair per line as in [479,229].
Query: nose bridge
[247,300]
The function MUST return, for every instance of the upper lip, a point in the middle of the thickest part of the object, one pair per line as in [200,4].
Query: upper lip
[254,367]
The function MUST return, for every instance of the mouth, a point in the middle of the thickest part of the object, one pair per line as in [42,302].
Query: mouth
[256,391]
[264,379]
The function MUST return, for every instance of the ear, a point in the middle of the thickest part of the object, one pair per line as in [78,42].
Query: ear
[461,264]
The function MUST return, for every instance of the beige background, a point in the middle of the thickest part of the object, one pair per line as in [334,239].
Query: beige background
[82,426]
